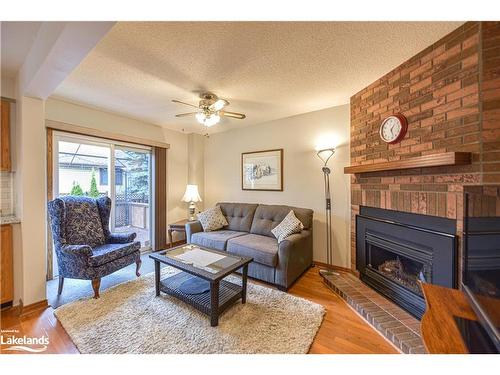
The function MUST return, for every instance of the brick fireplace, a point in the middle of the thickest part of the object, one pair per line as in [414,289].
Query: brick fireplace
[407,216]
[395,251]
[450,94]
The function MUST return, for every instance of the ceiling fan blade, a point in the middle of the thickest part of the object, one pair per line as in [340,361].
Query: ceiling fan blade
[178,101]
[239,116]
[186,114]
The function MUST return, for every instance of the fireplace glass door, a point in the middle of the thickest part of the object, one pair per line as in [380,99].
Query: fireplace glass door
[396,251]
[398,267]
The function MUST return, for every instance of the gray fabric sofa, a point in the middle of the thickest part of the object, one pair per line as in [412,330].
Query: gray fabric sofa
[249,234]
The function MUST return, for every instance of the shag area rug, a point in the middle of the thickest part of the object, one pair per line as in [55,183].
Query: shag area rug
[128,318]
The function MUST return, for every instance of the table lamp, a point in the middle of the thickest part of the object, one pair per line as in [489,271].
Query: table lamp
[192,196]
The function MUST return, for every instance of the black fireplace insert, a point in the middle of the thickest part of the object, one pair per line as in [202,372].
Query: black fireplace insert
[395,251]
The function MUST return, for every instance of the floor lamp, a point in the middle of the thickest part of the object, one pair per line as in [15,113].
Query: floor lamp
[325,155]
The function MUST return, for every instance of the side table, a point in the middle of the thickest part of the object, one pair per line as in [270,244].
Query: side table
[178,226]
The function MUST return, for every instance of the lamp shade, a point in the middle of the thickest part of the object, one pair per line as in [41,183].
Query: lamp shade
[325,154]
[191,194]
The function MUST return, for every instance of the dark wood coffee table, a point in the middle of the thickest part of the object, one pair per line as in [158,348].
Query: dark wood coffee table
[200,265]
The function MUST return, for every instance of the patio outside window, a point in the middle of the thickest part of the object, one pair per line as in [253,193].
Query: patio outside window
[95,168]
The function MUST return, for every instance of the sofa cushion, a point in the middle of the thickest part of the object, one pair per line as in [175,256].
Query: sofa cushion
[288,226]
[238,215]
[214,240]
[267,217]
[82,223]
[111,251]
[212,219]
[262,249]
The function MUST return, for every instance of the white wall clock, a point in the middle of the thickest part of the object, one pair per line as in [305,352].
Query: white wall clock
[393,128]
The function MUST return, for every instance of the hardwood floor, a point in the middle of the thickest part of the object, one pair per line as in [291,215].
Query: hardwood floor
[37,324]
[341,332]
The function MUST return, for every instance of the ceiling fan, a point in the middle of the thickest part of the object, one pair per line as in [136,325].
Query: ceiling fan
[210,109]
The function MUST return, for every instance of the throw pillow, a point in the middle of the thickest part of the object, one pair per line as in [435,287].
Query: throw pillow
[212,219]
[289,225]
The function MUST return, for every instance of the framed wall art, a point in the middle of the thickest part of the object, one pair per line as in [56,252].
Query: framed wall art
[262,170]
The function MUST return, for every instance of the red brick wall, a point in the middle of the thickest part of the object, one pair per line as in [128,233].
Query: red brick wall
[490,98]
[484,200]
[450,94]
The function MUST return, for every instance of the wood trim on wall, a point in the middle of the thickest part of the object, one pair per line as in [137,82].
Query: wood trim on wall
[10,100]
[50,165]
[33,308]
[50,189]
[82,130]
[160,193]
[5,164]
[424,161]
[335,268]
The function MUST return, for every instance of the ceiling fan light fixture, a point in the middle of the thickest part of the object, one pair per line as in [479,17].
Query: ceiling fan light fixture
[200,117]
[219,104]
[210,110]
[212,120]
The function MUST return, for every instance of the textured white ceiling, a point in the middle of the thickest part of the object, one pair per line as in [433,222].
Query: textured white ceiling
[267,70]
[16,42]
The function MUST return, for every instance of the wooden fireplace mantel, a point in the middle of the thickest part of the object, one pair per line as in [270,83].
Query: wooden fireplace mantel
[439,330]
[435,160]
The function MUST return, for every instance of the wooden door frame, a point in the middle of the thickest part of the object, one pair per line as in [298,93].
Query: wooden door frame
[158,190]
[50,196]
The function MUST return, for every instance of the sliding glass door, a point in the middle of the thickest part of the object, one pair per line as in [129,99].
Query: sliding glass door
[78,168]
[132,193]
[88,166]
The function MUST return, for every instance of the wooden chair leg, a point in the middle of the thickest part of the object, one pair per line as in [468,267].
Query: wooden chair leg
[96,283]
[61,284]
[138,266]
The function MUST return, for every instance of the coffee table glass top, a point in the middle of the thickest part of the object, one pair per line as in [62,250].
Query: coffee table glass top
[200,258]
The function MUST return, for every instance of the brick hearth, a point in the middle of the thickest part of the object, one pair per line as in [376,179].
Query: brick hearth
[395,324]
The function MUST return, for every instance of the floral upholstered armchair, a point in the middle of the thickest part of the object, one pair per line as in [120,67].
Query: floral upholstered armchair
[84,246]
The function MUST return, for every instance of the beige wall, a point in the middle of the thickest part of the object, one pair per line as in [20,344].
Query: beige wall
[196,165]
[8,87]
[30,192]
[303,179]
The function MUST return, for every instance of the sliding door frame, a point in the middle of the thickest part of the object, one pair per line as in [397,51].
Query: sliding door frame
[159,192]
[144,149]
[53,138]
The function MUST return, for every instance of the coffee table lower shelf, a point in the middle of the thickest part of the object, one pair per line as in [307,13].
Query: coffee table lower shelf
[227,293]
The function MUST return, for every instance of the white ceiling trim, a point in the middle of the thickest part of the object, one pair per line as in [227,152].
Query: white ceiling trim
[57,49]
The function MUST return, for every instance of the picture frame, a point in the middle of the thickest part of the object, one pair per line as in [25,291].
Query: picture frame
[262,170]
